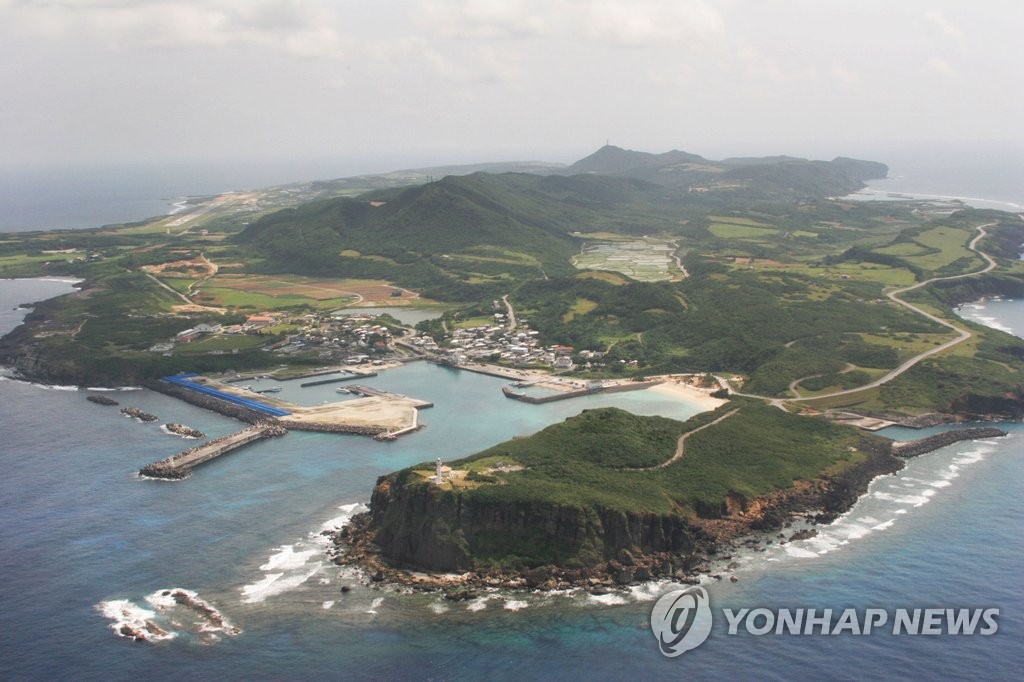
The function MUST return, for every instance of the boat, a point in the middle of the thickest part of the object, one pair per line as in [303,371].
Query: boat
[276,389]
[342,390]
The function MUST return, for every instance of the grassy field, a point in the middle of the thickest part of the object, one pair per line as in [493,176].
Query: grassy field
[733,231]
[937,249]
[581,306]
[277,292]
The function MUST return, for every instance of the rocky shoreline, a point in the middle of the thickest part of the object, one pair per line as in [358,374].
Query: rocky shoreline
[712,541]
[778,518]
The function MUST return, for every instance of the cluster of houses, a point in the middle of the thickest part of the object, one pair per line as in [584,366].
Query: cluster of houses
[350,338]
[519,347]
[355,339]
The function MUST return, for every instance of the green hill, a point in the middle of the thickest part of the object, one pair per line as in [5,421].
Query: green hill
[460,238]
[747,177]
[580,492]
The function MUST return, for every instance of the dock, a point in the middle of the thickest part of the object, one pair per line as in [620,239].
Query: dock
[180,465]
[566,395]
[336,380]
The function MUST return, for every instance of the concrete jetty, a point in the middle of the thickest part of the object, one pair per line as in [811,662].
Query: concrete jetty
[614,388]
[180,465]
[337,380]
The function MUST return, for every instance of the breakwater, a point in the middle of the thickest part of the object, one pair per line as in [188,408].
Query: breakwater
[207,402]
[182,430]
[913,448]
[540,400]
[180,465]
[332,427]
[138,414]
[185,381]
[336,380]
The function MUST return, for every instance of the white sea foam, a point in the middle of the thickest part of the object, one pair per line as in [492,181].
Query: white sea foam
[800,552]
[288,559]
[133,622]
[374,605]
[515,604]
[212,621]
[327,605]
[292,565]
[479,604]
[274,584]
[438,607]
[648,591]
[348,511]
[610,599]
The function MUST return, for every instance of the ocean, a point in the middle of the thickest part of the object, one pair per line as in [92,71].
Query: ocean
[983,175]
[86,545]
[81,197]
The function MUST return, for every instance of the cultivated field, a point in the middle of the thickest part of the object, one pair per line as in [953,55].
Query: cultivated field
[643,260]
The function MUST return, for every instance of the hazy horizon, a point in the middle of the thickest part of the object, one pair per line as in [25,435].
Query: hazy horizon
[414,83]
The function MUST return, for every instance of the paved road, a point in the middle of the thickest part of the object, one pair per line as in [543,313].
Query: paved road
[511,313]
[962,334]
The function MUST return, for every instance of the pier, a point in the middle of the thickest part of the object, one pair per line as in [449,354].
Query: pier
[337,380]
[614,388]
[180,465]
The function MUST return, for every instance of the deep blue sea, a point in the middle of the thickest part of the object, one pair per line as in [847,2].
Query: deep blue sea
[85,544]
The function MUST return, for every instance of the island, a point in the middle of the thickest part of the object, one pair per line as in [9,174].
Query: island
[814,316]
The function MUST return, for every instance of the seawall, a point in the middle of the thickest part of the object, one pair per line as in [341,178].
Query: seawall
[540,400]
[180,465]
[927,444]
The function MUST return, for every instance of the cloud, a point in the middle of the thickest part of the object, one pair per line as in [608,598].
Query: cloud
[644,23]
[304,28]
[947,27]
[483,19]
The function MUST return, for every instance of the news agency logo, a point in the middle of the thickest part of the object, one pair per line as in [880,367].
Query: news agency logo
[681,620]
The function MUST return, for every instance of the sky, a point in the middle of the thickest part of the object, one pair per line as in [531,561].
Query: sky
[385,84]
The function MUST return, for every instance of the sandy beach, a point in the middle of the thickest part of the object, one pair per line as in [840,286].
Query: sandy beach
[679,388]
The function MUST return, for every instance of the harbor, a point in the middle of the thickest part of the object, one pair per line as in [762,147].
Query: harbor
[366,410]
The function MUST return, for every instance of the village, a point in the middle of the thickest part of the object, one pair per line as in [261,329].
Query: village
[350,337]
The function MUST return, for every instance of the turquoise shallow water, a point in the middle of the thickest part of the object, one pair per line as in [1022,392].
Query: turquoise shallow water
[81,533]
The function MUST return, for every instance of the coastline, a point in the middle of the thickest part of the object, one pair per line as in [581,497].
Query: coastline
[779,518]
[870,193]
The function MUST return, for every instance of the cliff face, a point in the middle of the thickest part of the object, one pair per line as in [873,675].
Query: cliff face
[422,526]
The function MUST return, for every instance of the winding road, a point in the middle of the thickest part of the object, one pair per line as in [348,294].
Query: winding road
[894,296]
